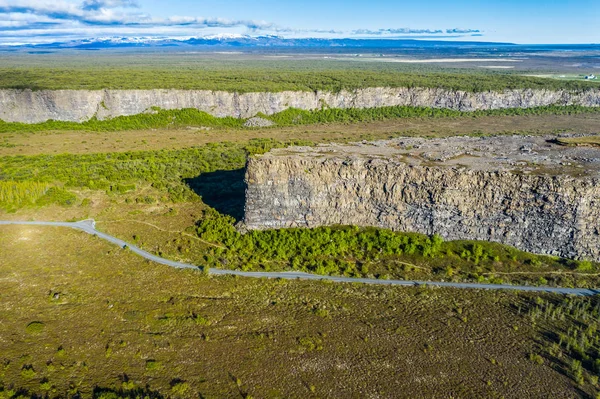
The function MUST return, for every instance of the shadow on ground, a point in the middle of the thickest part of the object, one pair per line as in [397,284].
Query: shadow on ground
[223,190]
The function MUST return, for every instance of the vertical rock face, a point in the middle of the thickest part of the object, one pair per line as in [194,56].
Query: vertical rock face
[547,214]
[28,106]
[39,106]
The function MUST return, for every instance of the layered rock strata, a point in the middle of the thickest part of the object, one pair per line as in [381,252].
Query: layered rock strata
[525,192]
[28,106]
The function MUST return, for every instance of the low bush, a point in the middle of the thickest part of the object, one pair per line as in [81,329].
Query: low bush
[350,250]
[30,179]
[160,71]
[177,119]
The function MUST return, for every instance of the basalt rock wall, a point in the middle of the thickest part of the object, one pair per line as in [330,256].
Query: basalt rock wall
[28,106]
[556,215]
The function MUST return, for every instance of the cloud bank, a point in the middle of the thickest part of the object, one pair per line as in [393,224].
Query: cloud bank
[31,21]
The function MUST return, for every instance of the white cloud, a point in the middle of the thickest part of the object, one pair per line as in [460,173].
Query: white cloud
[99,4]
[47,20]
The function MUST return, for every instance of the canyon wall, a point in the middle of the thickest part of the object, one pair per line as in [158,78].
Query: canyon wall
[28,106]
[545,214]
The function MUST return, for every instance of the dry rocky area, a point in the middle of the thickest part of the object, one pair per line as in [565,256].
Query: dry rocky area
[528,192]
[258,122]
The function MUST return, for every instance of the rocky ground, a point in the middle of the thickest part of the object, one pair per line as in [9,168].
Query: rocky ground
[527,154]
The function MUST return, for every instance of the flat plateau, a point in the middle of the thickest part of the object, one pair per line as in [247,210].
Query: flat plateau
[522,154]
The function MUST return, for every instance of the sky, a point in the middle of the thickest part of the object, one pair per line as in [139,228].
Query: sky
[524,21]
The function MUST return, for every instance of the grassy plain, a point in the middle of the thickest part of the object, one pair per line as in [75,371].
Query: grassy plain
[210,72]
[79,142]
[82,317]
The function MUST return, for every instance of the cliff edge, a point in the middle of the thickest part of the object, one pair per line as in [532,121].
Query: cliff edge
[28,106]
[526,192]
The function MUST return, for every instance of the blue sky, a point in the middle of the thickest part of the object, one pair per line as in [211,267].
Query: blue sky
[525,21]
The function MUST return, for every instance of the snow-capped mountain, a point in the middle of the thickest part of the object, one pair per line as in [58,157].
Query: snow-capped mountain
[238,40]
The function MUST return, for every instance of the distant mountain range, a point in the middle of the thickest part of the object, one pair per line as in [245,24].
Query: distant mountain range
[243,41]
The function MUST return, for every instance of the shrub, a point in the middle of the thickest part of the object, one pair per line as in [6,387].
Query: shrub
[35,327]
[585,266]
[180,388]
[534,357]
[59,196]
[577,371]
[309,344]
[27,372]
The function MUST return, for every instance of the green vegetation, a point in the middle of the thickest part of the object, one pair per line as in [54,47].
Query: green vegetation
[158,119]
[165,170]
[35,327]
[147,315]
[28,372]
[156,71]
[574,344]
[328,115]
[21,193]
[371,252]
[178,119]
[15,195]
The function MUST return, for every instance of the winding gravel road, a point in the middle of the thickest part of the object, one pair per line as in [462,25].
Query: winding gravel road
[89,226]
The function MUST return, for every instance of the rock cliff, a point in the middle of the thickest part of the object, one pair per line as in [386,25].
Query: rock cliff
[79,105]
[524,192]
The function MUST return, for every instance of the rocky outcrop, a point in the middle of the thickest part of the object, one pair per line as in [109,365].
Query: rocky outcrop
[407,185]
[79,105]
[258,122]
